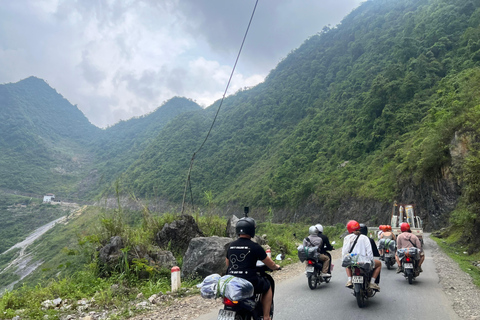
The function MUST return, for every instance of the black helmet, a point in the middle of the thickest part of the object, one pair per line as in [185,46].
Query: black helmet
[246,226]
[363,229]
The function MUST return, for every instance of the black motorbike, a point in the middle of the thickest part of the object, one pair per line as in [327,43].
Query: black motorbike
[313,271]
[410,268]
[389,258]
[250,308]
[361,276]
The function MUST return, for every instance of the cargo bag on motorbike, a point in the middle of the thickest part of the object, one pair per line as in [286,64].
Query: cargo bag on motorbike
[228,286]
[412,252]
[305,253]
[387,244]
[357,260]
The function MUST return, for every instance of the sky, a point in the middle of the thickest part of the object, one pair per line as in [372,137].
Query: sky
[118,59]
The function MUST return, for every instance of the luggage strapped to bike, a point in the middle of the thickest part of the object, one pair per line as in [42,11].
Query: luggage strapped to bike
[220,288]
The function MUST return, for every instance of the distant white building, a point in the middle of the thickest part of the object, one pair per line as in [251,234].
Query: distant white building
[49,197]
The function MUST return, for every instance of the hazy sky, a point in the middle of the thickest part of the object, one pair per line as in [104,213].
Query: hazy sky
[116,59]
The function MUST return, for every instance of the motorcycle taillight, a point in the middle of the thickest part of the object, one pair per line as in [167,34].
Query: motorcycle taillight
[357,271]
[311,262]
[408,259]
[229,302]
[387,251]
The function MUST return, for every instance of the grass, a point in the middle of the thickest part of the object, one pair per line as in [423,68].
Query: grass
[70,271]
[458,252]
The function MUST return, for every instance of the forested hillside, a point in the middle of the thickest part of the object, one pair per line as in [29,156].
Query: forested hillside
[359,115]
[42,138]
[381,107]
[118,146]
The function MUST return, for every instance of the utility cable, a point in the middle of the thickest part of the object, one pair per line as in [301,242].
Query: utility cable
[188,182]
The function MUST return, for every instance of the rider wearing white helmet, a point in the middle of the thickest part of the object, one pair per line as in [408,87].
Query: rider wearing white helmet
[314,239]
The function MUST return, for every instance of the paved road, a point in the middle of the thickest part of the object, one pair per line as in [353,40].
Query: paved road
[424,299]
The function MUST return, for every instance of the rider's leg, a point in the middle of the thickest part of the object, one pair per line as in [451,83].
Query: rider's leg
[422,258]
[378,268]
[326,262]
[267,303]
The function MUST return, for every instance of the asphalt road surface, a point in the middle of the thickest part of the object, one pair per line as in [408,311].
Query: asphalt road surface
[424,299]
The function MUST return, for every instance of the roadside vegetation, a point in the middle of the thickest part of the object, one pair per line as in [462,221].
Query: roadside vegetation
[71,270]
[452,241]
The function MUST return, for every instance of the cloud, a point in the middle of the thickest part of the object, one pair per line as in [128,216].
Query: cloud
[117,59]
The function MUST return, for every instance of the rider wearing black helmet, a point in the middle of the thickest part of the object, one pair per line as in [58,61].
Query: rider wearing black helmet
[241,260]
[376,253]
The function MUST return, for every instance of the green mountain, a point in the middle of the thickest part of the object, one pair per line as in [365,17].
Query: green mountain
[381,107]
[360,115]
[42,138]
[118,146]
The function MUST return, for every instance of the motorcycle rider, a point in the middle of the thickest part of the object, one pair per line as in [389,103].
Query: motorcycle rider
[387,234]
[362,246]
[376,253]
[407,239]
[326,246]
[314,240]
[241,260]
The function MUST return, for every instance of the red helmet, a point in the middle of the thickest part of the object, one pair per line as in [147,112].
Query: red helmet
[381,227]
[352,226]
[404,227]
[388,228]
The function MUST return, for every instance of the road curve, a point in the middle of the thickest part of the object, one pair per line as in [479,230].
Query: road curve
[424,299]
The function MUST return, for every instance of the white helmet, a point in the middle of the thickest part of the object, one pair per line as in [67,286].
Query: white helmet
[312,230]
[319,227]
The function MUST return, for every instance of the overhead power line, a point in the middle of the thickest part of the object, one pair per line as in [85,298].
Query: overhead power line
[188,182]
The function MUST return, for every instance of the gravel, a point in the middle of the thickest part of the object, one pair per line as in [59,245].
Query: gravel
[456,284]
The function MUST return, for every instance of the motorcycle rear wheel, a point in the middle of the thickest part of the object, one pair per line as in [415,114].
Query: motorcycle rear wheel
[360,299]
[410,278]
[312,281]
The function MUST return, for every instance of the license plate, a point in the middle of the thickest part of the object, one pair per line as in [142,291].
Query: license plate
[408,265]
[310,269]
[357,279]
[388,255]
[226,315]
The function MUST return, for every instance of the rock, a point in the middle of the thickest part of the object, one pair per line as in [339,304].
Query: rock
[178,234]
[140,296]
[57,302]
[231,223]
[205,255]
[110,254]
[152,298]
[161,257]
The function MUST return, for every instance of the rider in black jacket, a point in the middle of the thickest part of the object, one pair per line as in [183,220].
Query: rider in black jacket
[326,245]
[376,253]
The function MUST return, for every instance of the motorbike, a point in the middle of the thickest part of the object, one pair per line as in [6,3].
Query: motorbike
[389,258]
[410,268]
[250,308]
[313,270]
[361,276]
[389,248]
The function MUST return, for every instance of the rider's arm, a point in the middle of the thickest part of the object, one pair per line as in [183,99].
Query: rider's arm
[270,263]
[226,262]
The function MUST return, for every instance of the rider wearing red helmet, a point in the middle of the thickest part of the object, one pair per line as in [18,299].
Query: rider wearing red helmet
[358,243]
[386,234]
[407,240]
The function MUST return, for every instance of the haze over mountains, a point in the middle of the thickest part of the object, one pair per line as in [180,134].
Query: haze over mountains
[371,111]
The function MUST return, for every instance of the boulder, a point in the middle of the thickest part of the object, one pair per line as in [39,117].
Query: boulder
[178,234]
[231,223]
[111,253]
[205,255]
